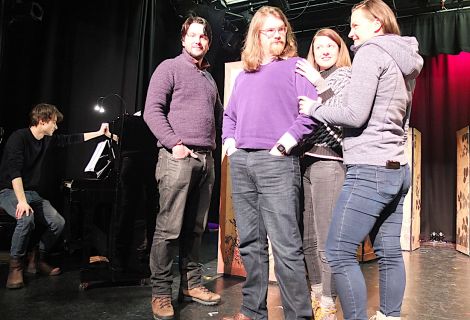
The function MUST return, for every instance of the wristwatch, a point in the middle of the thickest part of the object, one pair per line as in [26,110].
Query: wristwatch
[281,149]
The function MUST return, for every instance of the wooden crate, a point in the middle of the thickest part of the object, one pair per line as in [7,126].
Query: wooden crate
[463,191]
[410,229]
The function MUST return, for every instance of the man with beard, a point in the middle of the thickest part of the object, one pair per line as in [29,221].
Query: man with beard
[261,127]
[183,110]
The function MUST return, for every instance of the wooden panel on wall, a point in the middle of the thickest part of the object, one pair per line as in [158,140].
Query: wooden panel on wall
[228,260]
[410,230]
[463,191]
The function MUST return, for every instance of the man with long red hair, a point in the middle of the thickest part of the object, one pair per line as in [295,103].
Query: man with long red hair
[261,127]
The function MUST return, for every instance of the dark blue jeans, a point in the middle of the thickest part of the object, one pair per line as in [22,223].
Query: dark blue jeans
[185,187]
[371,202]
[44,213]
[265,194]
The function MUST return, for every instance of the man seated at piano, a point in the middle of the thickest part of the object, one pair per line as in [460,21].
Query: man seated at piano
[20,175]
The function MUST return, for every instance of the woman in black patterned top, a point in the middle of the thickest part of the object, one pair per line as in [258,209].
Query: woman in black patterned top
[328,68]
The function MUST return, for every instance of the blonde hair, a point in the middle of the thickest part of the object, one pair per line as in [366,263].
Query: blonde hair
[252,51]
[343,59]
[377,9]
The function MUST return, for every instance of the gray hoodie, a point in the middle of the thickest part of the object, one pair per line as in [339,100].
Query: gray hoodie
[377,102]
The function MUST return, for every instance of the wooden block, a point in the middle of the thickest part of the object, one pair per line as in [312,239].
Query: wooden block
[365,252]
[463,191]
[410,230]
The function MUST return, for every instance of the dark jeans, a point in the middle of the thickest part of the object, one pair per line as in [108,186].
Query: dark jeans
[371,202]
[185,187]
[44,213]
[322,182]
[265,194]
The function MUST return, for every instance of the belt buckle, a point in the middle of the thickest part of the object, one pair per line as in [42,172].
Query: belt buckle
[392,164]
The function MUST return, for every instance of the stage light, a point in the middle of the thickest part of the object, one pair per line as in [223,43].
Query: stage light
[248,15]
[24,10]
[36,12]
[282,4]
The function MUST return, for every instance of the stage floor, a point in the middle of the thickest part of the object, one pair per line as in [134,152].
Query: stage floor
[438,288]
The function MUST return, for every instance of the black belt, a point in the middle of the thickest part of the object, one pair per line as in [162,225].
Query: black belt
[199,149]
[392,164]
[252,150]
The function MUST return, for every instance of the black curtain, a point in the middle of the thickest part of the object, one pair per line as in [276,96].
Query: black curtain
[76,52]
[440,32]
[82,50]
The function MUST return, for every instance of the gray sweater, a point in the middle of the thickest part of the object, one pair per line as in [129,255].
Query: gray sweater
[377,102]
[183,104]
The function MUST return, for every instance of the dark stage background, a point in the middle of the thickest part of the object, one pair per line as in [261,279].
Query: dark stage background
[70,53]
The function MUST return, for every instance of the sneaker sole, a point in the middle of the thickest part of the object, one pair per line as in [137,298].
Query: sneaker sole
[204,302]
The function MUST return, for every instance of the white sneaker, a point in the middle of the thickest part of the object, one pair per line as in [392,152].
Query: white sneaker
[380,316]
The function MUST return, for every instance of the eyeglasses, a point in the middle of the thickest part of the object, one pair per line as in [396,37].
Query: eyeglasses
[271,32]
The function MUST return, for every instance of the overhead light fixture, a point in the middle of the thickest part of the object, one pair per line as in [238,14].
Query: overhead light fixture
[282,4]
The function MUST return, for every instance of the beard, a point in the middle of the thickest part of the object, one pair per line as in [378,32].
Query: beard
[276,48]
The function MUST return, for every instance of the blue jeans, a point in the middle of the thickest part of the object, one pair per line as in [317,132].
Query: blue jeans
[44,213]
[185,187]
[265,195]
[322,182]
[371,202]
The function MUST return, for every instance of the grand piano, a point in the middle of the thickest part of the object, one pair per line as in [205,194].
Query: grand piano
[115,206]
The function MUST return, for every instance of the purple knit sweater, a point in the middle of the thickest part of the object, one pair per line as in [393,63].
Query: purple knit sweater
[183,104]
[264,105]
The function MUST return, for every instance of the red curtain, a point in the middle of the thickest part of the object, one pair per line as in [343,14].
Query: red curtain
[441,106]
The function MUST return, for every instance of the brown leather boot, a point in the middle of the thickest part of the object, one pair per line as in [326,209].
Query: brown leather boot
[47,269]
[37,262]
[15,275]
[32,262]
[162,308]
[199,294]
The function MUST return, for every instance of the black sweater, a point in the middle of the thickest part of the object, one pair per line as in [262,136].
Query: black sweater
[24,156]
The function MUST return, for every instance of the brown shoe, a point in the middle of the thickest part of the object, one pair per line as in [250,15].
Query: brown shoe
[37,262]
[201,295]
[162,308]
[15,275]
[47,269]
[32,262]
[238,316]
